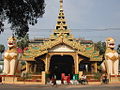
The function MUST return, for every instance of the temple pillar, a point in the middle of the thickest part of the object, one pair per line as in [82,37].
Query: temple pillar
[46,64]
[35,67]
[27,67]
[76,64]
[95,67]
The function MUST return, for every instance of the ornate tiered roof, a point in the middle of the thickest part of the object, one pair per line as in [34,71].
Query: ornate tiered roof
[61,35]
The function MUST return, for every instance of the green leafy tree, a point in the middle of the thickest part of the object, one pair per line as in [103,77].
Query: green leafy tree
[118,49]
[2,48]
[101,47]
[23,42]
[20,13]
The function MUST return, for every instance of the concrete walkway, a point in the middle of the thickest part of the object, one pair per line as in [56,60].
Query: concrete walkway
[93,84]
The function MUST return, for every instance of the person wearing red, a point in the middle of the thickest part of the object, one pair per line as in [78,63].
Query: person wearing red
[68,79]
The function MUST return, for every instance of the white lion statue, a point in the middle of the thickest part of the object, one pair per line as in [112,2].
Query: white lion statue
[11,57]
[111,62]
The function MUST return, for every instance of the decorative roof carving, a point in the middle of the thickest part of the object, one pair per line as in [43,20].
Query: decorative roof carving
[61,26]
[61,35]
[38,50]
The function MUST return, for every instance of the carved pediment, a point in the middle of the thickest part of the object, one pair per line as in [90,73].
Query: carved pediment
[62,48]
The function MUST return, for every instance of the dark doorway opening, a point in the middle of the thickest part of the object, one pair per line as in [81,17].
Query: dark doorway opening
[61,64]
[85,66]
[40,66]
[37,66]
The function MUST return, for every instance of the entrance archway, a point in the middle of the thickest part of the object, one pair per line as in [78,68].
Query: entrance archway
[37,67]
[85,66]
[61,64]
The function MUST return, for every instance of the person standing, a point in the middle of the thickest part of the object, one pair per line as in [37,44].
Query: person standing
[68,79]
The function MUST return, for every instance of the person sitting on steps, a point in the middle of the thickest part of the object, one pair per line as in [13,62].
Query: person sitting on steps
[83,80]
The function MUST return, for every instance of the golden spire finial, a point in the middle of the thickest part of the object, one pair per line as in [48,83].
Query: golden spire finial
[61,4]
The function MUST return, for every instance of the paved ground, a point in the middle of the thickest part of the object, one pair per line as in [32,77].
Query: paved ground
[115,86]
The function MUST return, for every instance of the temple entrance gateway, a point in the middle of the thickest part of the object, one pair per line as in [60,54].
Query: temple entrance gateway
[61,64]
[61,53]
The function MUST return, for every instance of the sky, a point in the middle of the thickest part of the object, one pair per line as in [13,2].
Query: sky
[90,19]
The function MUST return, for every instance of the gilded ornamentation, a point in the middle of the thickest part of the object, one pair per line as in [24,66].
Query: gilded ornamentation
[61,36]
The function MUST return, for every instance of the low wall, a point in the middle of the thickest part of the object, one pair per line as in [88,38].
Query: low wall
[14,79]
[115,78]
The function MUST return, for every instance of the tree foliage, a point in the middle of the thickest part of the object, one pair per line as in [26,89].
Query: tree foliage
[101,47]
[2,48]
[23,42]
[20,13]
[118,49]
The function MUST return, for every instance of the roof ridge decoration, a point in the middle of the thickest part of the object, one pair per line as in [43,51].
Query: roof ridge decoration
[61,4]
[61,28]
[42,49]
